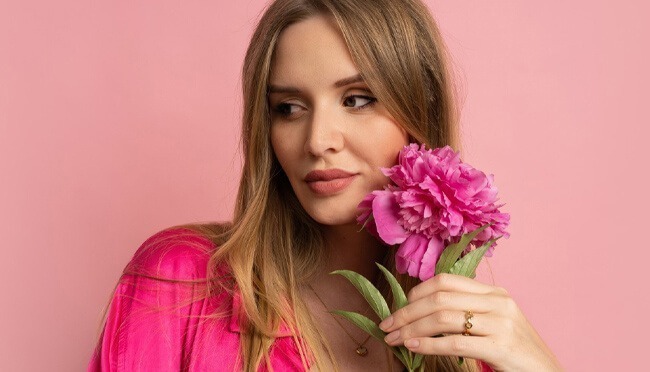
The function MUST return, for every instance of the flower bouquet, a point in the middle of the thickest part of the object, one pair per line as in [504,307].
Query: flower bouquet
[437,209]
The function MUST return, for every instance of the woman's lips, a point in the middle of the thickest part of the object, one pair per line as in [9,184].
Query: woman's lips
[329,181]
[332,186]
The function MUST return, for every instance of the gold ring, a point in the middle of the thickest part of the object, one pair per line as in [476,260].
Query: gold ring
[468,322]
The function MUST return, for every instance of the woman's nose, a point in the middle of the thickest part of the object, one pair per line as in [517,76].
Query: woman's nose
[324,133]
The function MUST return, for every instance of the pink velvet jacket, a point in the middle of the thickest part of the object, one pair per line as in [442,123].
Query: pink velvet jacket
[147,330]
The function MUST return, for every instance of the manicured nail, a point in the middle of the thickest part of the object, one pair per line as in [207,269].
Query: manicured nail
[412,343]
[392,336]
[386,323]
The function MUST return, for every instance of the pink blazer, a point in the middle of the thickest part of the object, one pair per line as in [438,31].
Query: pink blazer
[146,330]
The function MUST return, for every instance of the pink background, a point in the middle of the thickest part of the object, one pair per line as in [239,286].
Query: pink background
[118,119]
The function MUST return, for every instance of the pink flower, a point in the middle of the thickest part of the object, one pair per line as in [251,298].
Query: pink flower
[436,199]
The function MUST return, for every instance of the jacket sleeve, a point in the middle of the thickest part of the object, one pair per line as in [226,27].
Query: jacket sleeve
[146,327]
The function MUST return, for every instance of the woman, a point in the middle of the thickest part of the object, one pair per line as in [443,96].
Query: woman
[333,89]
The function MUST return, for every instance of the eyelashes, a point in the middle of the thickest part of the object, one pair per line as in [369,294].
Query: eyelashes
[371,101]
[285,110]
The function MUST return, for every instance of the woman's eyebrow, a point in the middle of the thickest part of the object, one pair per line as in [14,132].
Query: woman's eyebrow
[279,89]
[347,81]
[340,83]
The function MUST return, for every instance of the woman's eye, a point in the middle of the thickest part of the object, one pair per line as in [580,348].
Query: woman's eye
[359,102]
[285,109]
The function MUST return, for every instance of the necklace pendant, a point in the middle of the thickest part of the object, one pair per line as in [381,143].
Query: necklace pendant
[361,350]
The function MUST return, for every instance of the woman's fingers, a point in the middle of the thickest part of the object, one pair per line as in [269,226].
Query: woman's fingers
[435,302]
[499,334]
[444,322]
[450,283]
[481,348]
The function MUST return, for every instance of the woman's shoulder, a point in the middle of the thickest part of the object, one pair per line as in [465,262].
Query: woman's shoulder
[155,321]
[174,253]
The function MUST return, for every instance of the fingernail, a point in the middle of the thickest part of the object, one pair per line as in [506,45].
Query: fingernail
[386,323]
[392,336]
[412,343]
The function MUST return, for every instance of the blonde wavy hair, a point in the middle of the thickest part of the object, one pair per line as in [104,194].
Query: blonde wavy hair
[272,244]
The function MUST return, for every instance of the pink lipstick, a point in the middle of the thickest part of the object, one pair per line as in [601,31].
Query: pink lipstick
[330,181]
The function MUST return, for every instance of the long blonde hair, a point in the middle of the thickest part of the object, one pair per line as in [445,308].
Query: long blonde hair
[272,244]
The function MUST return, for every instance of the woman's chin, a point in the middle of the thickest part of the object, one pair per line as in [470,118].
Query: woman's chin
[333,218]
[333,212]
[336,221]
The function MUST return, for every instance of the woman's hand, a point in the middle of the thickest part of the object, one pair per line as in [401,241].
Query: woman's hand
[501,336]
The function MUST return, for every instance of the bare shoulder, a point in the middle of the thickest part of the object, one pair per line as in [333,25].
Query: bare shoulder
[176,253]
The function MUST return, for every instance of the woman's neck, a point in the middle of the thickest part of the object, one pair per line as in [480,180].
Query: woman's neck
[351,249]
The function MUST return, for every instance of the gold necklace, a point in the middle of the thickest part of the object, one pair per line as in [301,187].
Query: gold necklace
[361,349]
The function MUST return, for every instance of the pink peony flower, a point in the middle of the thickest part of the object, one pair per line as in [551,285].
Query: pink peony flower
[436,199]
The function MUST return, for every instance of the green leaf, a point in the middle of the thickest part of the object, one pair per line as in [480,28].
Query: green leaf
[406,354]
[371,328]
[467,265]
[451,253]
[401,353]
[398,292]
[400,302]
[368,291]
[362,322]
[418,360]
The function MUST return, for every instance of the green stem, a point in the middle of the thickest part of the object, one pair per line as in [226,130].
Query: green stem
[409,361]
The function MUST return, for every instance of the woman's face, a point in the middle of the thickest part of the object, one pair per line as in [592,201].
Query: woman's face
[323,118]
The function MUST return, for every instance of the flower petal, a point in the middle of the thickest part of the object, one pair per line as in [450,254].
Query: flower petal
[386,213]
[408,258]
[430,258]
[365,217]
